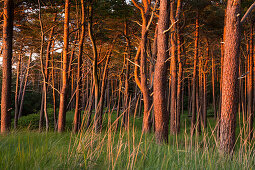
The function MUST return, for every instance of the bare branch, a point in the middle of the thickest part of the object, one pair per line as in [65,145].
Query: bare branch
[137,5]
[248,12]
[170,27]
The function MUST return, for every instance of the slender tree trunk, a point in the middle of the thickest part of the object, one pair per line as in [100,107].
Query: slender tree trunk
[160,79]
[180,71]
[127,57]
[25,85]
[7,65]
[195,79]
[53,92]
[99,114]
[143,71]
[205,86]
[46,75]
[230,75]
[17,94]
[89,108]
[63,93]
[174,125]
[118,104]
[78,107]
[213,88]
[94,67]
[250,85]
[142,84]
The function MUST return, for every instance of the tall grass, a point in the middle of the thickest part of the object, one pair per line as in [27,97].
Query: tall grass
[121,149]
[132,149]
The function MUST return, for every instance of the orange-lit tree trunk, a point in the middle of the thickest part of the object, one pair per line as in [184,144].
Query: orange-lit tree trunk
[7,65]
[77,114]
[250,108]
[204,107]
[142,84]
[230,77]
[160,78]
[63,93]
[173,66]
[180,69]
[174,79]
[195,78]
[213,87]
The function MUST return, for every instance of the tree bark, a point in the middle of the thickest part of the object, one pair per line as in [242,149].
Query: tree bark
[230,75]
[160,78]
[63,93]
[7,65]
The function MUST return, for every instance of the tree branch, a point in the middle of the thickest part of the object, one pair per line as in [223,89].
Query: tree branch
[248,12]
[137,5]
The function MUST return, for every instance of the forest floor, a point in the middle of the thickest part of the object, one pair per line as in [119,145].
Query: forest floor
[29,149]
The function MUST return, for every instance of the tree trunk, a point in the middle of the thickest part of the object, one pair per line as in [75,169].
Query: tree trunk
[147,102]
[160,78]
[213,88]
[16,94]
[250,85]
[94,63]
[99,114]
[127,57]
[25,85]
[63,93]
[230,75]
[78,107]
[7,66]
[195,79]
[143,71]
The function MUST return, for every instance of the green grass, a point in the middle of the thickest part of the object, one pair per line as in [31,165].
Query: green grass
[33,150]
[29,149]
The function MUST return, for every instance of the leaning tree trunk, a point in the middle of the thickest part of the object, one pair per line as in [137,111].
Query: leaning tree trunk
[7,66]
[63,93]
[24,86]
[160,78]
[99,114]
[230,77]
